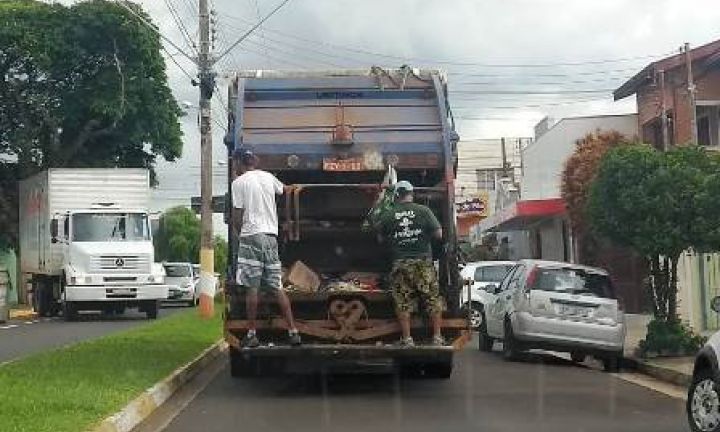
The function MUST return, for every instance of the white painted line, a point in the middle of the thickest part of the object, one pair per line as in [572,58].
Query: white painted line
[7,327]
[651,383]
[29,322]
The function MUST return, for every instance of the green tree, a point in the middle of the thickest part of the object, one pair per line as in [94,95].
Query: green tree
[178,236]
[657,203]
[83,86]
[221,255]
[578,175]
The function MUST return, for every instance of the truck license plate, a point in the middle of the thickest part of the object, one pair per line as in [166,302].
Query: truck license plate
[122,291]
[351,164]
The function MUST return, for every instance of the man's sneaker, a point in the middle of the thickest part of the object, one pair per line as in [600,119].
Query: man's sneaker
[250,341]
[406,342]
[438,341]
[294,339]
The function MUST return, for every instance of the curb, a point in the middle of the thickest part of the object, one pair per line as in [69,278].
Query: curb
[658,372]
[151,399]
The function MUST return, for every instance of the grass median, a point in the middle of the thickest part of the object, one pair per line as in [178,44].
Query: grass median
[73,388]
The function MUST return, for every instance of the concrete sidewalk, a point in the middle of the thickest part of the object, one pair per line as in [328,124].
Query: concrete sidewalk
[675,370]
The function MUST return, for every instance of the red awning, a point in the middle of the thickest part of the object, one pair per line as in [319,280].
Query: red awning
[523,214]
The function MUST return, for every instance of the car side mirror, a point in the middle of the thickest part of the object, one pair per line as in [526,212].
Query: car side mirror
[54,230]
[715,304]
[492,288]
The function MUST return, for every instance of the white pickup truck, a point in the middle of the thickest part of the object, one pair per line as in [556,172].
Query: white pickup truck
[86,242]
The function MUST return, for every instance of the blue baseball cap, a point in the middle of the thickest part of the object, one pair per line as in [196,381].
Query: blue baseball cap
[244,155]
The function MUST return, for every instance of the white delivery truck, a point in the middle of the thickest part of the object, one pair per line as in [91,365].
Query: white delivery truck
[86,241]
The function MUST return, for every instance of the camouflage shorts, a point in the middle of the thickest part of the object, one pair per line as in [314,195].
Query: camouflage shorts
[411,279]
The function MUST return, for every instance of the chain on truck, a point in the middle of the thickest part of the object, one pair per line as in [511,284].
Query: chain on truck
[331,136]
[86,242]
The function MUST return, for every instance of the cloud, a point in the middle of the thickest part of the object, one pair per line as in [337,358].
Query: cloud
[440,33]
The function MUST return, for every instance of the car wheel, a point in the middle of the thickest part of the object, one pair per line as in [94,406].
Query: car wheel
[611,363]
[577,357]
[476,316]
[152,310]
[485,342]
[70,312]
[703,403]
[510,344]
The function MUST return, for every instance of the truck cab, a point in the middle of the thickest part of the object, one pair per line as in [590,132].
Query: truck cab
[107,260]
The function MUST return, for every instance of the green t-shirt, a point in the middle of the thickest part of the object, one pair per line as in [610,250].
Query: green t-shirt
[409,227]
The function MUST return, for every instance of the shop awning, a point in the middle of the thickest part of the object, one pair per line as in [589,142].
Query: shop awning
[523,214]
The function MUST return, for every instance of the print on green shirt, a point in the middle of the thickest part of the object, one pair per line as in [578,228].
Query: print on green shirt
[409,227]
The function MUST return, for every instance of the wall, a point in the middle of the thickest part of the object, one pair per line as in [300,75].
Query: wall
[544,159]
[698,283]
[676,100]
[484,154]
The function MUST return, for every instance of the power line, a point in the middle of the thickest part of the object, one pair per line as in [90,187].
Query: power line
[174,60]
[252,29]
[153,28]
[458,63]
[181,25]
[260,29]
[523,92]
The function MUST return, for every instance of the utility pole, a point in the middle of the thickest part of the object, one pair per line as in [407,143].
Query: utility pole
[504,158]
[663,118]
[691,94]
[207,85]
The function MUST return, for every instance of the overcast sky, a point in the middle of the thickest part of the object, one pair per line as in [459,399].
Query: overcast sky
[474,41]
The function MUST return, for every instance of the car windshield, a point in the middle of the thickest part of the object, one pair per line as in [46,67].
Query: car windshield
[180,270]
[573,281]
[492,273]
[104,227]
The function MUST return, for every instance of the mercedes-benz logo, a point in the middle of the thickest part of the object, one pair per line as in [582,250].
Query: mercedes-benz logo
[119,262]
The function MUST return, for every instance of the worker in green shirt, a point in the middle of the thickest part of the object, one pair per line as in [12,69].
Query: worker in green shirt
[410,228]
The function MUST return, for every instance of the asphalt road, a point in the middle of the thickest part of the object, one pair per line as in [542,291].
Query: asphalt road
[22,338]
[541,393]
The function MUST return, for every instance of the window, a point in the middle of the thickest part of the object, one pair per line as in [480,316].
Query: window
[177,270]
[488,177]
[573,281]
[493,273]
[102,227]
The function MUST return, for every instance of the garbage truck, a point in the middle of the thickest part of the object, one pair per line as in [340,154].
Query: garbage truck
[86,242]
[332,137]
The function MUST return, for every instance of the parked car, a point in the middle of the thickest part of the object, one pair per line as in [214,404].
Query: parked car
[703,401]
[484,277]
[556,306]
[183,285]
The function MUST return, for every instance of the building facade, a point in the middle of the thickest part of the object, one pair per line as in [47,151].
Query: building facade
[537,222]
[664,87]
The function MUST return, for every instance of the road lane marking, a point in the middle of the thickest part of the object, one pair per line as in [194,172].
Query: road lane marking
[672,390]
[7,327]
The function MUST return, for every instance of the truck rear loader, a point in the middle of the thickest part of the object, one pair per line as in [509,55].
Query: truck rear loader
[333,136]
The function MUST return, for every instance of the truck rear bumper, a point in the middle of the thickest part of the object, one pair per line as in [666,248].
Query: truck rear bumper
[338,358]
[79,293]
